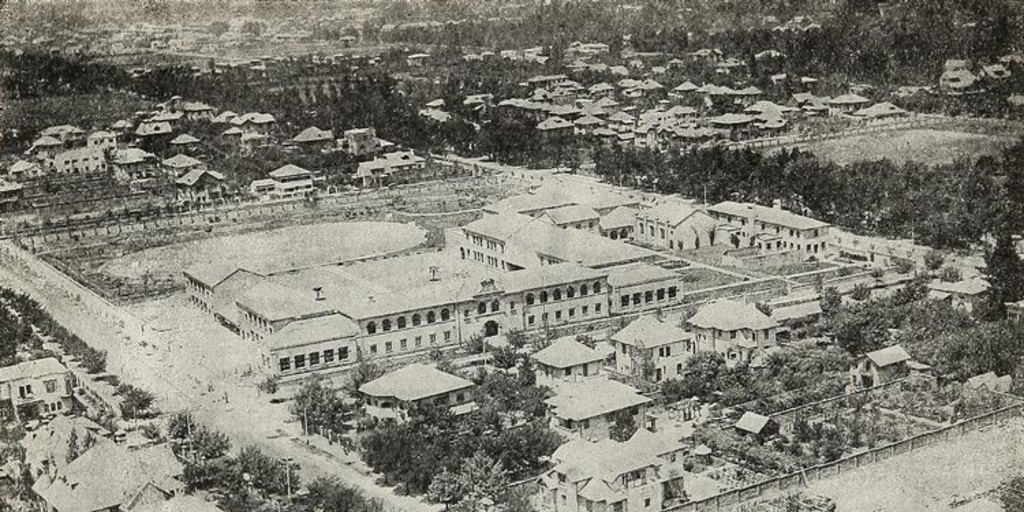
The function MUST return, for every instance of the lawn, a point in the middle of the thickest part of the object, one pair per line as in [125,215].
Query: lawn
[289,247]
[703,278]
[925,146]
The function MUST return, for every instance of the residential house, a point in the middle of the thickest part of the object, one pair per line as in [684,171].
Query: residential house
[964,295]
[109,477]
[360,142]
[674,226]
[848,103]
[291,181]
[957,77]
[199,186]
[180,503]
[180,164]
[574,216]
[83,160]
[153,130]
[104,140]
[395,167]
[394,394]
[134,164]
[224,117]
[254,123]
[652,348]
[25,170]
[879,367]
[417,59]
[567,360]
[47,448]
[314,137]
[65,133]
[592,408]
[263,187]
[184,142]
[768,229]
[10,194]
[197,111]
[31,389]
[738,331]
[44,148]
[604,476]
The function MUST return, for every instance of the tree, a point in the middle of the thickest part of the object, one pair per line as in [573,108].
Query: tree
[624,426]
[317,405]
[830,300]
[904,266]
[364,372]
[482,477]
[446,488]
[1004,271]
[209,443]
[330,494]
[933,260]
[950,274]
[136,402]
[861,292]
[94,361]
[505,358]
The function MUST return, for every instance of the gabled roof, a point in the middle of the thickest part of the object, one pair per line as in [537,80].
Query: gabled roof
[620,217]
[46,141]
[888,356]
[566,353]
[31,369]
[752,422]
[22,166]
[650,332]
[184,139]
[110,476]
[101,134]
[672,213]
[589,399]
[287,171]
[880,110]
[729,315]
[224,117]
[312,330]
[571,213]
[313,134]
[850,99]
[731,119]
[234,130]
[64,129]
[621,276]
[131,156]
[181,161]
[553,123]
[195,106]
[414,382]
[776,216]
[213,273]
[193,176]
[153,128]
[253,118]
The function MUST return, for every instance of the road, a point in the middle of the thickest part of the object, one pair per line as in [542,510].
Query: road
[188,371]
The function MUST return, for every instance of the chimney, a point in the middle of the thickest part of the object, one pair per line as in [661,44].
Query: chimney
[318,291]
[433,273]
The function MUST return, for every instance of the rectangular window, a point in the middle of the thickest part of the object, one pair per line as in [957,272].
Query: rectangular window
[584,310]
[51,385]
[597,308]
[636,299]
[648,296]
[419,340]
[373,349]
[661,294]
[342,353]
[300,361]
[286,364]
[447,335]
[433,339]
[625,301]
[544,317]
[530,320]
[558,315]
[388,347]
[403,343]
[671,292]
[329,355]
[572,312]
[314,358]
[568,372]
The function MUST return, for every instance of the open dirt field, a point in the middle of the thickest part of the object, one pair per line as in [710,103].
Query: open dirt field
[926,480]
[276,249]
[925,146]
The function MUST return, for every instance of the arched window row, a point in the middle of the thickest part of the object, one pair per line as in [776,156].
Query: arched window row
[386,325]
[556,294]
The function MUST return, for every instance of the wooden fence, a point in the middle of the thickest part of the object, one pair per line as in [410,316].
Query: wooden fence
[728,500]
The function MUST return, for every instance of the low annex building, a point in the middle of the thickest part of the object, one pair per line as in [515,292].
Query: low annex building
[769,229]
[35,388]
[674,226]
[394,394]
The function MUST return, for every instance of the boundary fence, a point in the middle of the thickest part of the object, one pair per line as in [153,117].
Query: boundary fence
[729,499]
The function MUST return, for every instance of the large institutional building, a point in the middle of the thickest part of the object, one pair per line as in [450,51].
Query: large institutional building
[513,269]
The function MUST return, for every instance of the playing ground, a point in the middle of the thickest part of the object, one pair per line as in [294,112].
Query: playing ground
[275,249]
[928,479]
[925,146]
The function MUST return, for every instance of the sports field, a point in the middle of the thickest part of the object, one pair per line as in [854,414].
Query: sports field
[276,249]
[925,146]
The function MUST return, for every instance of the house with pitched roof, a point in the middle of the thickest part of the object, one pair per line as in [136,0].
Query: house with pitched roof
[65,133]
[768,228]
[180,164]
[133,164]
[31,389]
[618,223]
[393,167]
[675,226]
[110,477]
[47,448]
[82,160]
[652,348]
[104,140]
[574,216]
[567,360]
[606,476]
[394,394]
[737,330]
[590,409]
[25,170]
[964,295]
[881,366]
[314,137]
[199,186]
[291,181]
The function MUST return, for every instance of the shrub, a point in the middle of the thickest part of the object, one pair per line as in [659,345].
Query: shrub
[861,293]
[269,385]
[94,361]
[904,266]
[934,260]
[950,275]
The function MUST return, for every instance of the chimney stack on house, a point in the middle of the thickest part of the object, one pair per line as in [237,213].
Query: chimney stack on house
[318,291]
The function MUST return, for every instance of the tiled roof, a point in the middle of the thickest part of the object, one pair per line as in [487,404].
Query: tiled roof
[565,353]
[630,274]
[31,369]
[729,315]
[312,330]
[584,400]
[414,382]
[775,216]
[571,213]
[650,332]
[888,356]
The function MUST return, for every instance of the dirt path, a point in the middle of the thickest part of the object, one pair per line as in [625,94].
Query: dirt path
[173,367]
[928,479]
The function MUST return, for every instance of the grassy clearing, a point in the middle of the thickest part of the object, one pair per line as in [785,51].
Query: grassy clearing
[925,146]
[702,278]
